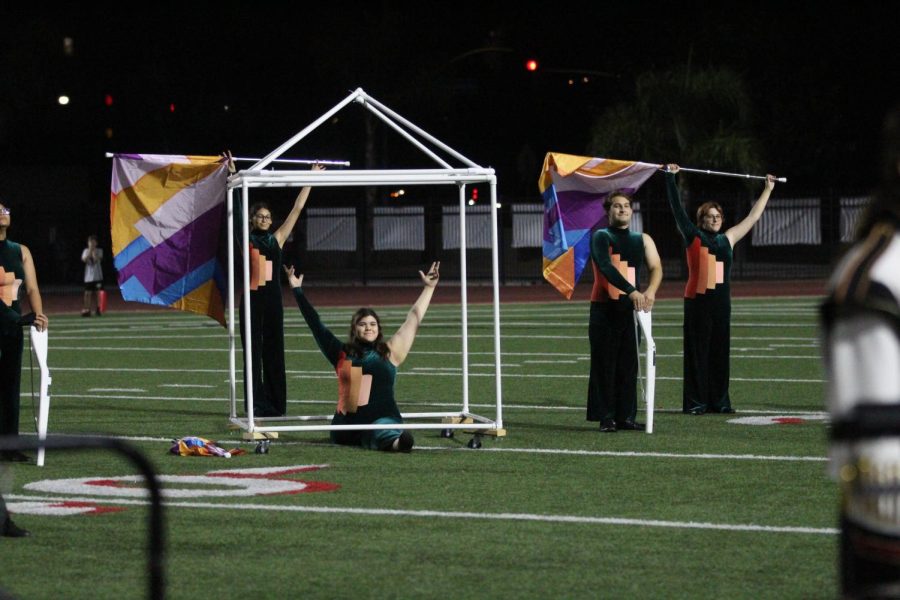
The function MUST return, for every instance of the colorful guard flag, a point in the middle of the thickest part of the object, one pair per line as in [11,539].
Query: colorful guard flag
[167,220]
[574,188]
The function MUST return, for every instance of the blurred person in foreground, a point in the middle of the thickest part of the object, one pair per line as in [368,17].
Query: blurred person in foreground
[861,342]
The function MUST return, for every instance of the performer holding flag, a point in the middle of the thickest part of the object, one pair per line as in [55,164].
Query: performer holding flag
[707,297]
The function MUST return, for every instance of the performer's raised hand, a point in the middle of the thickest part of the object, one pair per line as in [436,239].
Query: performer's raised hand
[431,278]
[230,161]
[294,280]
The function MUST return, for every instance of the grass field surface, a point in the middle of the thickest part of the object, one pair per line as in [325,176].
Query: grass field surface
[717,506]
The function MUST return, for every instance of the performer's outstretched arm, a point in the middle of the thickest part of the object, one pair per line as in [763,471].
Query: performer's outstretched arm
[736,233]
[330,346]
[284,232]
[402,341]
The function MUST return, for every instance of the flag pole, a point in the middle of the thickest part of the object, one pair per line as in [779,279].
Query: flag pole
[299,161]
[724,174]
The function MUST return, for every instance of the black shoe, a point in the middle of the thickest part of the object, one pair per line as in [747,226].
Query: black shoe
[696,411]
[85,313]
[13,456]
[405,442]
[725,411]
[632,426]
[607,426]
[10,529]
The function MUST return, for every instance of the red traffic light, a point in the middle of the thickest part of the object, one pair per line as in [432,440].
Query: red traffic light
[531,65]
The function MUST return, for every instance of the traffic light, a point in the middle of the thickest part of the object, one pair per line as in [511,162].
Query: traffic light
[531,65]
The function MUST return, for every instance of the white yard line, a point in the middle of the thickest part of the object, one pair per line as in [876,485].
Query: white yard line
[442,514]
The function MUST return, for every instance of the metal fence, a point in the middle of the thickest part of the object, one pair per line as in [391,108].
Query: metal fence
[797,238]
[364,238]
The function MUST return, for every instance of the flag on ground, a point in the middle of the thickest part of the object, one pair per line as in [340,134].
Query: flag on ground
[167,219]
[574,188]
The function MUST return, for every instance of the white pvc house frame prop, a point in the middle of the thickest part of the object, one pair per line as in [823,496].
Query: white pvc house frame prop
[257,176]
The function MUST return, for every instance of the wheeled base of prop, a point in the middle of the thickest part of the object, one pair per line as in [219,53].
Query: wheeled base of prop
[475,442]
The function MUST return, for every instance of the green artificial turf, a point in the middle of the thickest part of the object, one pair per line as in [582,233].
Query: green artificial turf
[702,508]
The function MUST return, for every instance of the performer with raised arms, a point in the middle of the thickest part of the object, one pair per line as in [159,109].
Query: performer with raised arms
[707,297]
[266,308]
[366,367]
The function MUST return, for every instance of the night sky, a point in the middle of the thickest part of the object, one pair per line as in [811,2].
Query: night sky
[820,79]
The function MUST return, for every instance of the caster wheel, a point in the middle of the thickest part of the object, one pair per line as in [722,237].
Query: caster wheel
[474,443]
[446,433]
[262,447]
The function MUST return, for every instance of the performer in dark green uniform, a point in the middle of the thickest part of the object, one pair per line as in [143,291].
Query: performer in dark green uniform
[617,254]
[707,297]
[16,268]
[366,367]
[266,308]
[7,527]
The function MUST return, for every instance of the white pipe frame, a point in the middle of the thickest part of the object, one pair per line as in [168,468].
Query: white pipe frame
[257,177]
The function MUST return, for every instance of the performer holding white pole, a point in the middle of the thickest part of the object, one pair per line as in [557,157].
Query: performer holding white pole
[17,264]
[617,254]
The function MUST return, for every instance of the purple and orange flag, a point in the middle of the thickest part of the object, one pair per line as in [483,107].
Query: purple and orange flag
[167,219]
[573,188]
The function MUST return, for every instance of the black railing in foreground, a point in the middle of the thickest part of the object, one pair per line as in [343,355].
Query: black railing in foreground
[156,545]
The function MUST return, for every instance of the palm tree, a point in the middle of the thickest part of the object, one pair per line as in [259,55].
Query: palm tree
[696,117]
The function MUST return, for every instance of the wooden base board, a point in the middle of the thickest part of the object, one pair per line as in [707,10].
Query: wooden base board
[468,420]
[260,435]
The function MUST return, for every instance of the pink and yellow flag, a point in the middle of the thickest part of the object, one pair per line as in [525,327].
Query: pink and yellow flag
[167,219]
[573,188]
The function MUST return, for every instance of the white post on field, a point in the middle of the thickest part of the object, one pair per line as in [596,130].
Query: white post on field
[232,350]
[495,276]
[39,346]
[248,343]
[464,299]
[644,320]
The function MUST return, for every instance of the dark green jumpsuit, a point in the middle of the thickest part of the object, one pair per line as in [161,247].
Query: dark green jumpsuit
[267,331]
[370,378]
[707,313]
[612,386]
[11,336]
